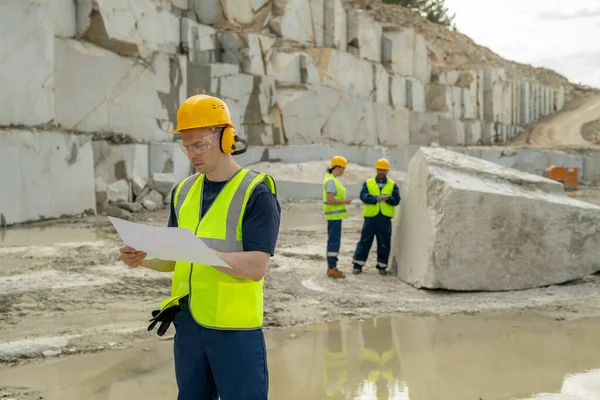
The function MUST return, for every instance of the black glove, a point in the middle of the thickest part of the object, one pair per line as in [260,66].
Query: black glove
[165,316]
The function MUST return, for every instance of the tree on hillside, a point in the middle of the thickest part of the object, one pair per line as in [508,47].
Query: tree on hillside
[434,10]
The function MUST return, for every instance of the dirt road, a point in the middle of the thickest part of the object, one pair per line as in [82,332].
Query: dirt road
[64,290]
[564,129]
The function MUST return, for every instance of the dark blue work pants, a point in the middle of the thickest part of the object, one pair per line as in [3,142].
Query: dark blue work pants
[210,363]
[334,237]
[379,226]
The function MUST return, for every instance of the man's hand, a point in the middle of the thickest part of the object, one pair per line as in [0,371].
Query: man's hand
[347,201]
[383,197]
[131,256]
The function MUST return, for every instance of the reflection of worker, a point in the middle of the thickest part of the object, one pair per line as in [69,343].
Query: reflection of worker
[379,362]
[336,361]
[379,194]
[334,207]
[218,312]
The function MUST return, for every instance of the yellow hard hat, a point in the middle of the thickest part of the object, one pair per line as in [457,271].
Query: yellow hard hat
[339,161]
[202,111]
[382,163]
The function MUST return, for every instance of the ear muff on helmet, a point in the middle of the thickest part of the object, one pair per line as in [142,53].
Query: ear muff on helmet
[230,140]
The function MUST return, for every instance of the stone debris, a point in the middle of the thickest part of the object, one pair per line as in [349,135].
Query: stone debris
[163,183]
[526,232]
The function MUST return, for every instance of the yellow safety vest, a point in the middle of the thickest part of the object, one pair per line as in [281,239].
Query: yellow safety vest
[334,211]
[380,360]
[336,371]
[371,210]
[217,300]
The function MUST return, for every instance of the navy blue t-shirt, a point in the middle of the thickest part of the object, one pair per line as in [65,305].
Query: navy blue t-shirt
[260,224]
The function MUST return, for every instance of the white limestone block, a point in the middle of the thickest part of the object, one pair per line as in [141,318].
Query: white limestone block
[421,66]
[200,42]
[65,18]
[335,26]
[128,27]
[423,128]
[493,94]
[26,63]
[242,12]
[99,91]
[526,232]
[113,162]
[168,158]
[54,177]
[317,12]
[456,103]
[469,107]
[293,20]
[560,98]
[516,103]
[398,93]
[398,51]
[451,132]
[343,71]
[120,192]
[178,4]
[416,95]
[506,116]
[439,98]
[381,84]
[245,50]
[293,67]
[391,125]
[364,35]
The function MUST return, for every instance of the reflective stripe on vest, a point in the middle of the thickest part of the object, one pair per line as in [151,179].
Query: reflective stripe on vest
[380,360]
[334,211]
[217,300]
[371,210]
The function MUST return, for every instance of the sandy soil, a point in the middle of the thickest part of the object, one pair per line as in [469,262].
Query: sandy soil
[564,129]
[64,290]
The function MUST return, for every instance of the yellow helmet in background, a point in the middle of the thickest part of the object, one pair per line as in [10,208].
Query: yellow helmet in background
[382,163]
[202,111]
[339,161]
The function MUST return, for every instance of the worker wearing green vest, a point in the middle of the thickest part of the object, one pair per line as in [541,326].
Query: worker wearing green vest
[219,344]
[380,195]
[334,209]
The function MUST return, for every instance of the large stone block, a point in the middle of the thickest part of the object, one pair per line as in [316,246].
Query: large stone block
[506,116]
[364,35]
[423,128]
[293,67]
[169,158]
[439,98]
[344,72]
[241,12]
[99,91]
[113,162]
[335,26]
[591,166]
[421,66]
[260,117]
[199,42]
[55,175]
[493,94]
[244,50]
[391,125]
[292,19]
[451,132]
[415,95]
[398,91]
[135,28]
[27,66]
[473,132]
[525,103]
[65,18]
[381,84]
[526,232]
[317,12]
[469,105]
[560,98]
[398,50]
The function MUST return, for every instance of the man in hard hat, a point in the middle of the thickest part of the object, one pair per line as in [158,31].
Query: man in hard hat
[334,208]
[218,312]
[380,195]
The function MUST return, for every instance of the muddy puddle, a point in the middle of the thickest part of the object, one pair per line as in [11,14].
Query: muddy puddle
[404,358]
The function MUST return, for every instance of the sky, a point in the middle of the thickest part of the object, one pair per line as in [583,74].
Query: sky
[556,34]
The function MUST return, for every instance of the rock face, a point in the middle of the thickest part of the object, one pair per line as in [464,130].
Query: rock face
[470,224]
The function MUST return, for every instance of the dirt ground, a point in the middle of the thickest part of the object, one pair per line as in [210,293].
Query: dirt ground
[63,289]
[564,130]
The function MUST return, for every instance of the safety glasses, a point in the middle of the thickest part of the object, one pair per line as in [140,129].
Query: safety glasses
[200,146]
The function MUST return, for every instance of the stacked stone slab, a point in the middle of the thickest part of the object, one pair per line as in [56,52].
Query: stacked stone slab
[525,233]
[295,72]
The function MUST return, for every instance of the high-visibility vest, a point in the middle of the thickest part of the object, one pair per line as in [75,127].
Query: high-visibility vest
[217,300]
[380,360]
[371,210]
[336,371]
[334,211]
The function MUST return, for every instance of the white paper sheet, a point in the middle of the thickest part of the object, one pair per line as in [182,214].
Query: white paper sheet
[172,244]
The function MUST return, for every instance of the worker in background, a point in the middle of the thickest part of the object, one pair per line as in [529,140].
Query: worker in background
[334,207]
[219,344]
[380,195]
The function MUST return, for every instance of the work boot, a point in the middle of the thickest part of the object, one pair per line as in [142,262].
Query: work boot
[335,273]
[356,271]
[382,272]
